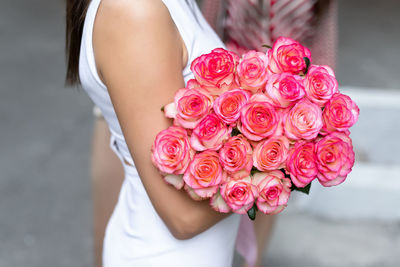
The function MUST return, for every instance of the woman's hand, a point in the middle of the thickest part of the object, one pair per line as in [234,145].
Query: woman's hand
[140,56]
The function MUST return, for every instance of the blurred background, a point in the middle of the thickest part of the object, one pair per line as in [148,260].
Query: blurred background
[45,130]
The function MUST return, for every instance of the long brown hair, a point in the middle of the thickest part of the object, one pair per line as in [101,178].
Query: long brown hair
[75,18]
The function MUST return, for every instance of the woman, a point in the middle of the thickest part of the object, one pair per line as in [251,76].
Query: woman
[133,57]
[227,18]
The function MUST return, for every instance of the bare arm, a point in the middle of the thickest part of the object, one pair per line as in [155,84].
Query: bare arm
[139,54]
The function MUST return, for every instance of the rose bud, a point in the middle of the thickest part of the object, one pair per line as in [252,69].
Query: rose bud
[271,153]
[228,105]
[258,118]
[171,154]
[339,114]
[190,106]
[235,157]
[252,71]
[204,174]
[216,71]
[287,55]
[304,121]
[320,84]
[273,191]
[239,195]
[210,133]
[335,158]
[284,89]
[301,163]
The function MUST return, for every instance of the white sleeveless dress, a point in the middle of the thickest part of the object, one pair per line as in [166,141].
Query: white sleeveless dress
[136,235]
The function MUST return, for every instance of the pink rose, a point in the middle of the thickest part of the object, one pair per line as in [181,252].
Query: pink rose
[235,157]
[304,121]
[273,191]
[227,106]
[216,71]
[239,195]
[339,114]
[335,158]
[301,163]
[258,118]
[190,106]
[252,70]
[192,193]
[171,154]
[287,55]
[284,89]
[218,203]
[271,153]
[204,174]
[210,133]
[320,84]
[192,83]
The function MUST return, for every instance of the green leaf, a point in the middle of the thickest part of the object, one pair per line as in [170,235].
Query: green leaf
[305,190]
[308,62]
[162,109]
[235,131]
[286,174]
[254,170]
[252,212]
[267,46]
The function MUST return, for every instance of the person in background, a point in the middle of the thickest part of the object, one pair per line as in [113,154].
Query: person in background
[243,25]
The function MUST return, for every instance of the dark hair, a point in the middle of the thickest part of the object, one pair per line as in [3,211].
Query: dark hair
[75,18]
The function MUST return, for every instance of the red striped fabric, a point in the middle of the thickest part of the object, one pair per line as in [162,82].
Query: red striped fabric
[292,18]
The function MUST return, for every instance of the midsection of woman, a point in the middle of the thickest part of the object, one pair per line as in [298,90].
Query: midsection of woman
[129,81]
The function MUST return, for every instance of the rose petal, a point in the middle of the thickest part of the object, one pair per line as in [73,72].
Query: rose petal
[175,180]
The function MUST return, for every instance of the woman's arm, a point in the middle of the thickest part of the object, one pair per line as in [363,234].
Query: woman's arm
[139,54]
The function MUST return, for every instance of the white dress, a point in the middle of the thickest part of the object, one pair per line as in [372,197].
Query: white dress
[136,235]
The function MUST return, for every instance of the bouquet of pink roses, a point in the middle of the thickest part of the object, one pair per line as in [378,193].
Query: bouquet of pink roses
[247,131]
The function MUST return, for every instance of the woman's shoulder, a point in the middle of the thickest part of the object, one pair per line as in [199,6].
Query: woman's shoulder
[140,25]
[139,21]
[141,12]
